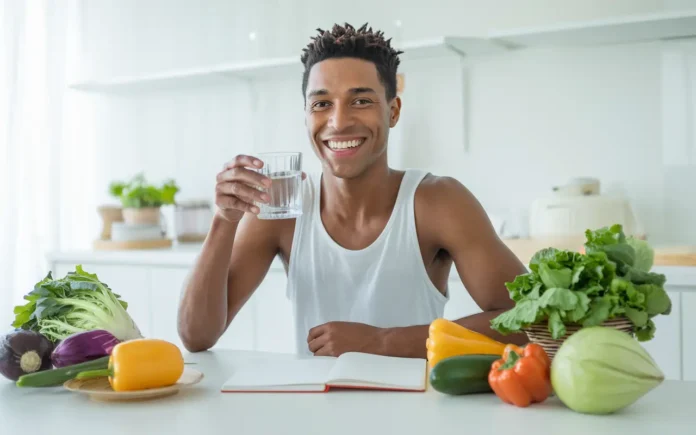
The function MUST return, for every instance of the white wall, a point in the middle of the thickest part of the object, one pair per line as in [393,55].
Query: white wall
[536,117]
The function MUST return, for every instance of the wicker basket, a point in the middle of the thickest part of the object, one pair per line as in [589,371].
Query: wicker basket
[539,333]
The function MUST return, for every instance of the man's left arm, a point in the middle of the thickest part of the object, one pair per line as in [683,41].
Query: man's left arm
[484,264]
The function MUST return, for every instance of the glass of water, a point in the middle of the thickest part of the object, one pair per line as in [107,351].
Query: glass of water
[285,171]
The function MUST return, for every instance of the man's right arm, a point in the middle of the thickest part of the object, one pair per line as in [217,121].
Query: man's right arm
[234,259]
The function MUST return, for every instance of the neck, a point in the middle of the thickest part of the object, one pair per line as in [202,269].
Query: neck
[369,194]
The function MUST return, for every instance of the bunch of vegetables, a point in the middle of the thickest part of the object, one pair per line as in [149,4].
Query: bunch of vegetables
[598,370]
[459,358]
[610,279]
[133,365]
[463,361]
[76,327]
[68,321]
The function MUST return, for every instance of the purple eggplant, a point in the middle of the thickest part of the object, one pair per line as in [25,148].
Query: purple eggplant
[23,352]
[82,347]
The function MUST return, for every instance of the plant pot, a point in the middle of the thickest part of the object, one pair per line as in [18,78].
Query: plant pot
[539,333]
[109,214]
[145,215]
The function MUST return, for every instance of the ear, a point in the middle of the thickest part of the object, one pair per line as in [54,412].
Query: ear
[394,111]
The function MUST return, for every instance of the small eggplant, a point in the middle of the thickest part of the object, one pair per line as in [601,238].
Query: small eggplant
[82,347]
[23,352]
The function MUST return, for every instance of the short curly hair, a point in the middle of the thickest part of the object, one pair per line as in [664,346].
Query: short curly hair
[362,43]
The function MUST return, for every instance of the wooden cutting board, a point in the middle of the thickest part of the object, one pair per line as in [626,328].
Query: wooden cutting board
[675,256]
[111,245]
[524,249]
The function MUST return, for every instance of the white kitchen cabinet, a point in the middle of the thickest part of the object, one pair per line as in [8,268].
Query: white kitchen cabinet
[274,320]
[688,336]
[460,303]
[129,282]
[166,284]
[241,334]
[665,347]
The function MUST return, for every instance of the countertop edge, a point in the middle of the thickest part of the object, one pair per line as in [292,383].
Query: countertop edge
[185,257]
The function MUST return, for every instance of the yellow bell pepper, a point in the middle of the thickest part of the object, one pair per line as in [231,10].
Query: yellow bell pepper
[447,338]
[141,364]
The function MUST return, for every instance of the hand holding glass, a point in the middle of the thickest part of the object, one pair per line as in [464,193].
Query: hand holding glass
[285,171]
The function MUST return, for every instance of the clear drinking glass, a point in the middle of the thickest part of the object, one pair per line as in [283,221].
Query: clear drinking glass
[285,171]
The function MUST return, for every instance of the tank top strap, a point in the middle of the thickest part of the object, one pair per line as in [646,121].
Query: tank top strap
[409,185]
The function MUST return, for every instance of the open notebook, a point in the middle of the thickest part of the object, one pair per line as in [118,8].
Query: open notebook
[319,374]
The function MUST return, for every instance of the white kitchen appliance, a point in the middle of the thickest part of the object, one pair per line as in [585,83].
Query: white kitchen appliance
[577,206]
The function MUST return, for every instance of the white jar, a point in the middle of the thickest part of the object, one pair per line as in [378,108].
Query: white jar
[192,220]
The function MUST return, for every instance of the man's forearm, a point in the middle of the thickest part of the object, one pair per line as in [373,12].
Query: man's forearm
[410,341]
[203,307]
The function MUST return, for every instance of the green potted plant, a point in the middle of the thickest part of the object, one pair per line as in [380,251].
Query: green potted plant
[141,200]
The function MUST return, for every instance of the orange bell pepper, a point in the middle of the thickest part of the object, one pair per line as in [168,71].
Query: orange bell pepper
[522,376]
[141,364]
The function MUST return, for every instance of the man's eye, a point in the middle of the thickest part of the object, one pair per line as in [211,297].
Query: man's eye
[320,104]
[362,101]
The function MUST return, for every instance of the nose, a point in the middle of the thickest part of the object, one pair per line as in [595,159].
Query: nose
[341,118]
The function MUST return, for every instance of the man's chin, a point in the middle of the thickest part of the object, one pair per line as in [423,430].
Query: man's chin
[344,171]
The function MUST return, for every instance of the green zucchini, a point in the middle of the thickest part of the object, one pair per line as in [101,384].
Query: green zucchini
[55,377]
[462,374]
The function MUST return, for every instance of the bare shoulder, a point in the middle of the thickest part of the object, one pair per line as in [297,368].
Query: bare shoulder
[443,205]
[437,195]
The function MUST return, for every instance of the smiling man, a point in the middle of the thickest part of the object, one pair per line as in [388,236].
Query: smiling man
[369,259]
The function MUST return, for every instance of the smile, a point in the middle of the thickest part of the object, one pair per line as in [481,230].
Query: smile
[345,144]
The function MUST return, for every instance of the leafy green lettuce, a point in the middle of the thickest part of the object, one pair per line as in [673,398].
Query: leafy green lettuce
[611,279]
[79,302]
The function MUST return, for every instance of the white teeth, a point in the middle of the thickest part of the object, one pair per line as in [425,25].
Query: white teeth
[347,144]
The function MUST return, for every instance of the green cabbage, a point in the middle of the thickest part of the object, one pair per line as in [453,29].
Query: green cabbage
[58,308]
[600,370]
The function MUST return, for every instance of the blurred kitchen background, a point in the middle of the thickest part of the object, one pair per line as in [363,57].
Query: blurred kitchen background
[557,114]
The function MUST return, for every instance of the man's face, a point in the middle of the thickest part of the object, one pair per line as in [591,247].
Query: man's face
[348,116]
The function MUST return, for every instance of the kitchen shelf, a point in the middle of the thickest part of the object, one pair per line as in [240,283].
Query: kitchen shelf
[638,28]
[265,68]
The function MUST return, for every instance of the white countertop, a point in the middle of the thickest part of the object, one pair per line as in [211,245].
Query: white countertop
[183,254]
[203,409]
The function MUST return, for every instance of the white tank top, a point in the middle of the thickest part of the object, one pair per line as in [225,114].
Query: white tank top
[384,285]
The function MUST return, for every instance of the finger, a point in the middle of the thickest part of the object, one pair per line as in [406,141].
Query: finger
[234,203]
[326,350]
[318,343]
[304,176]
[243,160]
[315,332]
[242,191]
[244,175]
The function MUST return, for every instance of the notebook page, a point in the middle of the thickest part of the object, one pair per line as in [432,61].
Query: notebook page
[280,374]
[380,371]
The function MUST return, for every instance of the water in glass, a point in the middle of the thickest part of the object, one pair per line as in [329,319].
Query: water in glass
[285,172]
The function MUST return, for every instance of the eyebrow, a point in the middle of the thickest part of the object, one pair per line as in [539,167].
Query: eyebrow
[361,91]
[354,91]
[317,92]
